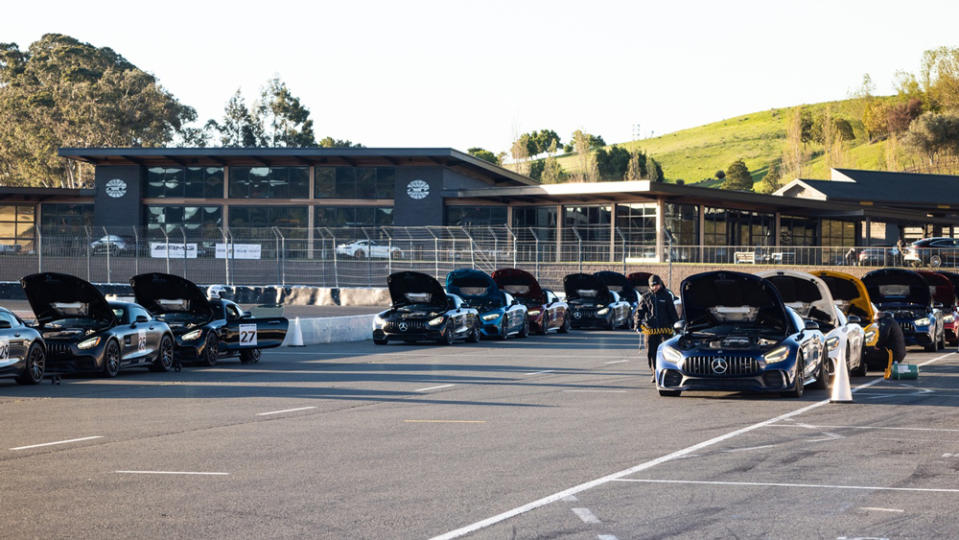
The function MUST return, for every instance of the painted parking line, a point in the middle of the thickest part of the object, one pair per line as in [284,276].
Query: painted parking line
[285,411]
[549,499]
[57,442]
[427,389]
[616,362]
[748,448]
[542,372]
[188,473]
[880,428]
[445,421]
[785,484]
[877,509]
[596,391]
[585,515]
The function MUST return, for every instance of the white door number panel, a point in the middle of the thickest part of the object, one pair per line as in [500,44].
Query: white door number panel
[141,340]
[4,349]
[248,335]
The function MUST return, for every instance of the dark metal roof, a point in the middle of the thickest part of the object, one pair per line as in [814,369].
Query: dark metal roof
[34,194]
[260,157]
[893,188]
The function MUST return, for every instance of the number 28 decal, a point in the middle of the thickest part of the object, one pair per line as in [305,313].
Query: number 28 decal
[248,334]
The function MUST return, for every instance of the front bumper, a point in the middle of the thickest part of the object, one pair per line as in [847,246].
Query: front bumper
[588,318]
[414,330]
[65,357]
[915,334]
[742,373]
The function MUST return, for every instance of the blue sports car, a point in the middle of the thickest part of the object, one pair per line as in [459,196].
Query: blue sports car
[500,314]
[739,335]
[906,295]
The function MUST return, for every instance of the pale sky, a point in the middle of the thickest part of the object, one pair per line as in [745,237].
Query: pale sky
[463,74]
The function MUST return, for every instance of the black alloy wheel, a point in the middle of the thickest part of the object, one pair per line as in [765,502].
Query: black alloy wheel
[474,335]
[448,337]
[111,359]
[826,369]
[383,341]
[611,323]
[564,329]
[861,368]
[164,359]
[211,349]
[524,331]
[799,384]
[504,330]
[250,356]
[36,365]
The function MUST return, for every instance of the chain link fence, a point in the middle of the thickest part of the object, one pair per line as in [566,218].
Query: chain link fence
[364,256]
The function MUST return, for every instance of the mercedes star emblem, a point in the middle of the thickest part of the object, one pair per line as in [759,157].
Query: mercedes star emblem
[719,366]
[403,327]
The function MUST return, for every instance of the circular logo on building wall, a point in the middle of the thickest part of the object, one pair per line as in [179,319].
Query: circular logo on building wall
[116,188]
[418,189]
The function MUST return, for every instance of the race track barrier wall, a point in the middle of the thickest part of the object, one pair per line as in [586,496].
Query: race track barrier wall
[317,330]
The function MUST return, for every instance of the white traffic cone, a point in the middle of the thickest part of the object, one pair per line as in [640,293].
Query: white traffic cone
[296,334]
[841,393]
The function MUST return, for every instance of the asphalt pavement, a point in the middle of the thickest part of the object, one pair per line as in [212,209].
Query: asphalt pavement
[544,437]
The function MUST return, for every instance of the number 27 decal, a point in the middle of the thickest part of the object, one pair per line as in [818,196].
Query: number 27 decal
[248,334]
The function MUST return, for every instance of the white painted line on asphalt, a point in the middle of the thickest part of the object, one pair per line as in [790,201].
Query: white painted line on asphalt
[748,448]
[541,372]
[784,484]
[867,427]
[585,515]
[285,411]
[192,473]
[616,362]
[606,537]
[57,442]
[596,391]
[482,524]
[434,388]
[570,498]
[445,421]
[878,509]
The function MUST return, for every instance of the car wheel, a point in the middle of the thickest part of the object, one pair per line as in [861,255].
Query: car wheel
[36,365]
[524,332]
[211,350]
[611,323]
[935,261]
[448,337]
[564,329]
[826,369]
[397,254]
[380,341]
[111,360]
[164,359]
[359,254]
[860,369]
[250,356]
[503,330]
[670,393]
[474,335]
[799,384]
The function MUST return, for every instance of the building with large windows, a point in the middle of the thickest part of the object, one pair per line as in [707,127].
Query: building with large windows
[212,191]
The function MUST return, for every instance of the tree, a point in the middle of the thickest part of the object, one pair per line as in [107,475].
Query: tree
[238,127]
[720,174]
[552,171]
[934,135]
[612,163]
[330,142]
[483,154]
[520,154]
[284,120]
[793,154]
[654,171]
[737,176]
[539,142]
[589,172]
[637,166]
[772,181]
[940,77]
[61,92]
[900,115]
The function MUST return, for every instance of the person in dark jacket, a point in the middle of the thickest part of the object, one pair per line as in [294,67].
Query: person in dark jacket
[655,318]
[891,338]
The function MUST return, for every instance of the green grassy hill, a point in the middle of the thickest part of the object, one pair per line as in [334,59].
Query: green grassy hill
[694,155]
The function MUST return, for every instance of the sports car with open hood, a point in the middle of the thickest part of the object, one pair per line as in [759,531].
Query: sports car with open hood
[84,332]
[500,314]
[423,311]
[942,286]
[22,352]
[739,335]
[905,295]
[546,311]
[621,285]
[850,296]
[593,304]
[206,329]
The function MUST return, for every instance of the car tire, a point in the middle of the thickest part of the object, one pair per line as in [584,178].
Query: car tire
[799,384]
[524,332]
[564,329]
[503,330]
[111,359]
[935,261]
[860,369]
[211,350]
[380,341]
[823,379]
[670,393]
[611,324]
[250,356]
[36,366]
[448,336]
[164,360]
[474,335]
[359,254]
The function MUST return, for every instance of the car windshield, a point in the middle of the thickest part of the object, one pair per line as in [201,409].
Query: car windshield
[178,317]
[74,322]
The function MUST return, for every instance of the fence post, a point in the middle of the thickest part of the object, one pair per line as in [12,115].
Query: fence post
[336,268]
[109,240]
[436,253]
[183,234]
[579,248]
[136,251]
[226,260]
[389,250]
[369,258]
[166,242]
[232,253]
[39,249]
[276,240]
[86,231]
[472,247]
[622,242]
[515,247]
[495,248]
[536,247]
[282,257]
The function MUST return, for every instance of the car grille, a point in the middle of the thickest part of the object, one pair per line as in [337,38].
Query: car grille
[906,326]
[410,325]
[585,313]
[58,348]
[736,366]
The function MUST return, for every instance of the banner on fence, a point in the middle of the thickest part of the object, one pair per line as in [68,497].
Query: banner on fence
[162,250]
[238,251]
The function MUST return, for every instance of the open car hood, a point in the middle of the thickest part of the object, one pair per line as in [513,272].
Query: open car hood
[712,298]
[55,296]
[940,287]
[520,284]
[640,281]
[808,295]
[415,288]
[849,293]
[166,293]
[615,281]
[586,287]
[953,278]
[471,284]
[895,285]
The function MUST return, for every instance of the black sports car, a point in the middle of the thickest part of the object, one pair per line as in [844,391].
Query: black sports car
[622,286]
[22,353]
[206,329]
[84,332]
[906,295]
[422,311]
[739,335]
[592,304]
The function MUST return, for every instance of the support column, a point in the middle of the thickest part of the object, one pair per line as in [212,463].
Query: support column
[702,232]
[612,233]
[660,229]
[311,212]
[776,228]
[559,233]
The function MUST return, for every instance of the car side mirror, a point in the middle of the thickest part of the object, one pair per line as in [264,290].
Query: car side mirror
[5,324]
[811,325]
[679,325]
[937,305]
[141,319]
[854,319]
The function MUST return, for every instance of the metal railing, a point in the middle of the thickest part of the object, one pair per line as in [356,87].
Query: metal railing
[364,256]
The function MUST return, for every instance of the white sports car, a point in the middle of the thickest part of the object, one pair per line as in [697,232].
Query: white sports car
[362,249]
[810,297]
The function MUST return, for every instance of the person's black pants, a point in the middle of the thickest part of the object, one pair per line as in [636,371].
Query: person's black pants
[652,345]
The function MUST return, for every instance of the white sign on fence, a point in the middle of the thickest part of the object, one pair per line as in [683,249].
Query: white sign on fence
[158,250]
[238,251]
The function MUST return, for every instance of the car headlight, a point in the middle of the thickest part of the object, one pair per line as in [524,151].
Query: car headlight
[378,321]
[603,311]
[672,356]
[776,355]
[192,335]
[922,322]
[533,312]
[949,318]
[832,343]
[437,321]
[869,335]
[89,343]
[490,316]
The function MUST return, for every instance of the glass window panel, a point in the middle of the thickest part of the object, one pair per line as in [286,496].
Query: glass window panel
[345,183]
[299,182]
[25,214]
[239,183]
[385,182]
[365,182]
[325,182]
[259,182]
[25,230]
[8,213]
[8,229]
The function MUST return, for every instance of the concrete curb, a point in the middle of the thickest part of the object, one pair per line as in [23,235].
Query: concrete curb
[318,330]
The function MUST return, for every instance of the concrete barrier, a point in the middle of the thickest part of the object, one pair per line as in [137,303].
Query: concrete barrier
[364,296]
[317,330]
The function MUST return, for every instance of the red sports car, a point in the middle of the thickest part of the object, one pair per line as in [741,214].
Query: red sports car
[546,311]
[943,290]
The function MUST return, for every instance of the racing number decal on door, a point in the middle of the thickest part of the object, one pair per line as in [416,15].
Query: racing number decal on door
[141,340]
[4,349]
[248,335]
